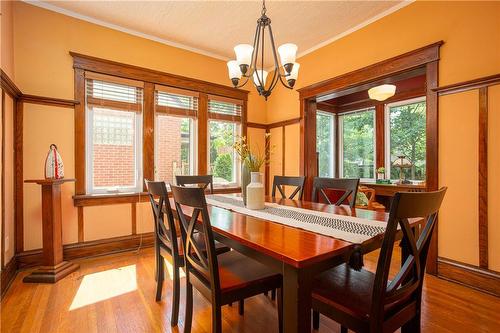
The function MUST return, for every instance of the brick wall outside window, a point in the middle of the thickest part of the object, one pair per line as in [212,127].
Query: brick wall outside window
[168,148]
[114,165]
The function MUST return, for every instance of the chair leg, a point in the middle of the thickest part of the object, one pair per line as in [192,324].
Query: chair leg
[273,294]
[343,329]
[315,320]
[188,316]
[241,307]
[161,277]
[266,293]
[175,295]
[413,326]
[280,310]
[157,260]
[216,318]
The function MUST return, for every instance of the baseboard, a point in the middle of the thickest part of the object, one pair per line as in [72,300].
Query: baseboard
[32,258]
[8,274]
[471,276]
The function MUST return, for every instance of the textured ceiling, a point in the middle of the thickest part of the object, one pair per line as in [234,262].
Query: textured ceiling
[214,27]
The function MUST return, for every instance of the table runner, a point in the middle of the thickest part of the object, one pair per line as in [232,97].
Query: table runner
[352,229]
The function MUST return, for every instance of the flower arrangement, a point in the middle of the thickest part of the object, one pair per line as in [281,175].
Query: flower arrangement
[253,160]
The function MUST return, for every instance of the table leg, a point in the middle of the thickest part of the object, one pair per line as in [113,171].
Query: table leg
[296,300]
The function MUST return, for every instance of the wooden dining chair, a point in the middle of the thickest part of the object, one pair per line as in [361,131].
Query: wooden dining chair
[280,182]
[221,279]
[369,302]
[168,244]
[347,185]
[205,181]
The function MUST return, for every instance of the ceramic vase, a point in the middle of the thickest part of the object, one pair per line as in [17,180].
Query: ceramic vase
[245,180]
[255,192]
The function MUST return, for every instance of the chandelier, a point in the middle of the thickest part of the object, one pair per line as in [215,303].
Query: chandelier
[249,61]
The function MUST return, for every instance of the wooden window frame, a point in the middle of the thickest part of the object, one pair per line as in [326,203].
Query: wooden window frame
[150,78]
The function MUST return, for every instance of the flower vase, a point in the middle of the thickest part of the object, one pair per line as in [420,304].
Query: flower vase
[255,192]
[245,180]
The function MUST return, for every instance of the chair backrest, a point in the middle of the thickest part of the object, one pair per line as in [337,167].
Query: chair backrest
[158,196]
[348,185]
[407,284]
[200,256]
[203,181]
[280,182]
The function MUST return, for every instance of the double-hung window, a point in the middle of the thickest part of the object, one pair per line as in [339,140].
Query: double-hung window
[406,136]
[175,132]
[357,144]
[325,143]
[113,134]
[224,127]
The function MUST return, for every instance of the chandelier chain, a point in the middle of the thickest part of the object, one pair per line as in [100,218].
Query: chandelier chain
[264,7]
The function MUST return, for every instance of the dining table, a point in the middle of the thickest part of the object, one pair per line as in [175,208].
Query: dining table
[298,254]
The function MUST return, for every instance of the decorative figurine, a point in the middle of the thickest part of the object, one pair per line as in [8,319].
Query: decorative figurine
[54,167]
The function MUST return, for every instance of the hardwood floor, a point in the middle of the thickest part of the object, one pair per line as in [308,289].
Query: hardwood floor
[116,294]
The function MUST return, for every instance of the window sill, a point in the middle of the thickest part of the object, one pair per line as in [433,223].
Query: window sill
[84,200]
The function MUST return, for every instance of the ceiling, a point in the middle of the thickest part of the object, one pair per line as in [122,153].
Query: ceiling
[215,27]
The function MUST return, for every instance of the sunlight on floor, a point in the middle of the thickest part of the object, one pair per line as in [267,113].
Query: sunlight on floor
[104,285]
[170,270]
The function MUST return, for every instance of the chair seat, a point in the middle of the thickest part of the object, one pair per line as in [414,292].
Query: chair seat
[345,289]
[237,271]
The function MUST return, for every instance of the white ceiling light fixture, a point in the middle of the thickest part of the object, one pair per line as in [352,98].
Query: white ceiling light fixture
[382,92]
[249,61]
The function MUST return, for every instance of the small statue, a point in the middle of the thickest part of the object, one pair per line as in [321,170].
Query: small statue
[54,167]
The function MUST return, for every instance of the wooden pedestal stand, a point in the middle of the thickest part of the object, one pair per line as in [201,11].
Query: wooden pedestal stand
[53,267]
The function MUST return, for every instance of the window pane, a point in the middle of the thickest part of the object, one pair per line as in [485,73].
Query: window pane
[358,145]
[114,149]
[174,147]
[325,143]
[224,165]
[407,137]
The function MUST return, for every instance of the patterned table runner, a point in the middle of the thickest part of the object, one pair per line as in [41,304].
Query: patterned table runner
[352,229]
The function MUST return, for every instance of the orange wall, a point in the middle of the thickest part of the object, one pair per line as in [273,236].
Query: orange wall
[470,31]
[43,66]
[6,38]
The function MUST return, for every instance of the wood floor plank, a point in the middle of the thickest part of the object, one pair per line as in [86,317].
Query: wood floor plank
[126,289]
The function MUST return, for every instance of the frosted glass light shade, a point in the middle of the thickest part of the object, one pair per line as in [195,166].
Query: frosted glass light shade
[234,70]
[243,54]
[294,73]
[287,52]
[262,75]
[382,92]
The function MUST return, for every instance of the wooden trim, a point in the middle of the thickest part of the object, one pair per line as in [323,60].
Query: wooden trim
[310,159]
[256,125]
[468,85]
[103,66]
[283,150]
[244,116]
[176,91]
[134,218]
[388,67]
[91,76]
[471,276]
[203,134]
[2,255]
[284,123]
[80,131]
[18,177]
[8,275]
[380,135]
[115,105]
[171,111]
[148,133]
[8,85]
[224,117]
[90,249]
[225,99]
[483,177]
[50,101]
[108,199]
[432,153]
[81,225]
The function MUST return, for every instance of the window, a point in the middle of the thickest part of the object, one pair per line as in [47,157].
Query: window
[357,144]
[114,136]
[406,136]
[223,129]
[175,133]
[325,143]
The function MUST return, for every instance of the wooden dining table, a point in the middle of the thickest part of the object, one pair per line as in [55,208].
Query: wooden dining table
[299,255]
